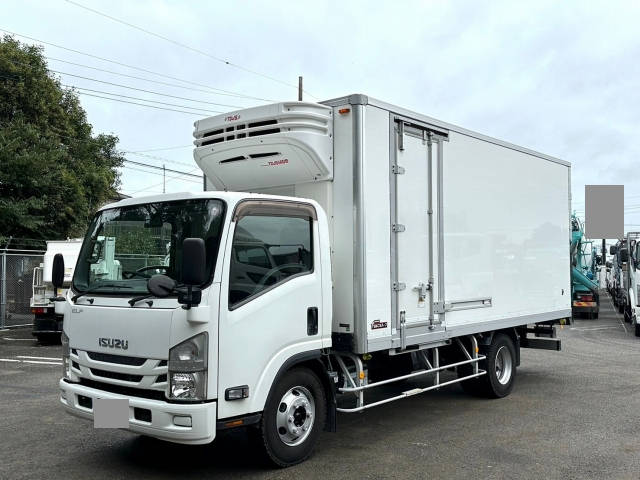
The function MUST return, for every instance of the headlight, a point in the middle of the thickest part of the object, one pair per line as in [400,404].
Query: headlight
[65,355]
[188,369]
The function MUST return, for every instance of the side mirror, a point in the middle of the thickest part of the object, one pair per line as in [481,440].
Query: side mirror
[161,286]
[57,271]
[612,250]
[624,255]
[194,261]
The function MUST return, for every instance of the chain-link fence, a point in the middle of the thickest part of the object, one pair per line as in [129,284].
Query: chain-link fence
[16,277]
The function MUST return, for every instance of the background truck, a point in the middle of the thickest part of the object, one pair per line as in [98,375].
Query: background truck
[618,274]
[349,254]
[630,285]
[584,269]
[47,324]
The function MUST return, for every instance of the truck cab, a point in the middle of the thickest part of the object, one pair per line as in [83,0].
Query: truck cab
[265,286]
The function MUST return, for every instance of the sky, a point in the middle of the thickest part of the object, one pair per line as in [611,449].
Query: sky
[557,77]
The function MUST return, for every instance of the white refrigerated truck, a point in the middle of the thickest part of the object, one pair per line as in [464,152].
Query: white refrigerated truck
[340,247]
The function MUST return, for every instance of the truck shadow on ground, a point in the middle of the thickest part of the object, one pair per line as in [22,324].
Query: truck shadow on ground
[230,452]
[233,452]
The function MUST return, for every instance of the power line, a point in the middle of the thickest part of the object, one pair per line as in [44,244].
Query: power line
[162,159]
[156,173]
[142,164]
[142,89]
[133,103]
[175,85]
[158,149]
[140,69]
[140,104]
[158,184]
[138,98]
[183,45]
[153,92]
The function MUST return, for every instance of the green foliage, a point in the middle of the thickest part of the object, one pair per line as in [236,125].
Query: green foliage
[53,173]
[140,241]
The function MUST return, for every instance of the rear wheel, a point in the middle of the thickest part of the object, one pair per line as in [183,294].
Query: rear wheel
[293,418]
[500,366]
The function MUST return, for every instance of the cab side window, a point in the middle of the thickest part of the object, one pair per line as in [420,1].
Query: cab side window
[267,251]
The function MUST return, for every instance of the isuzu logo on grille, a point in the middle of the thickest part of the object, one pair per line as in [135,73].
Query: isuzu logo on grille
[113,343]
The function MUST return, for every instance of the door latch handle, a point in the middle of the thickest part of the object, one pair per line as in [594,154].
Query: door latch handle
[312,321]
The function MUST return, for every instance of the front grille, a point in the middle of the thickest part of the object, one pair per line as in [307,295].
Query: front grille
[126,377]
[119,359]
[161,378]
[122,390]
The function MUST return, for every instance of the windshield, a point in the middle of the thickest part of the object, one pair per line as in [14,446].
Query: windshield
[125,246]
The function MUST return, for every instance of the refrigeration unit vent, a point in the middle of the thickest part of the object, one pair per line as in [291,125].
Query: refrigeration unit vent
[273,145]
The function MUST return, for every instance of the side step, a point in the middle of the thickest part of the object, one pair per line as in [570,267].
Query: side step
[358,384]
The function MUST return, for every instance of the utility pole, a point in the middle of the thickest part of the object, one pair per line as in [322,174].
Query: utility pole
[163,178]
[300,88]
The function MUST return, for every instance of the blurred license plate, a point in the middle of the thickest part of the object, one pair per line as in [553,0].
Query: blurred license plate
[111,413]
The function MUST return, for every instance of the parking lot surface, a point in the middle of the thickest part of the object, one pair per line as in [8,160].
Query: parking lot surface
[572,414]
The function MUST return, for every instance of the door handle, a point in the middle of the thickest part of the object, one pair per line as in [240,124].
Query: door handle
[312,321]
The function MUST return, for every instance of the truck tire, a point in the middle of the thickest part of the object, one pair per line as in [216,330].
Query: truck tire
[500,366]
[293,418]
[626,314]
[636,327]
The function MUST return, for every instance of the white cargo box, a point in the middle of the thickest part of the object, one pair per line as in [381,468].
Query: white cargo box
[436,231]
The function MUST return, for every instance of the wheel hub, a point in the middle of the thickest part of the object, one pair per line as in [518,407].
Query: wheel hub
[503,365]
[295,416]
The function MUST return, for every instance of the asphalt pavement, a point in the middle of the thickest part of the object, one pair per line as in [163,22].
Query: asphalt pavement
[572,414]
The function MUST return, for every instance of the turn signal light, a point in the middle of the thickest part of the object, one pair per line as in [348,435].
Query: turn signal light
[343,111]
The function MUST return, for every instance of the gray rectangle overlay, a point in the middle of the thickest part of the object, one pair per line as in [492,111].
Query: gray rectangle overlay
[110,413]
[604,211]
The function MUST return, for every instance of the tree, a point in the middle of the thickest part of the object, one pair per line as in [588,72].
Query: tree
[53,173]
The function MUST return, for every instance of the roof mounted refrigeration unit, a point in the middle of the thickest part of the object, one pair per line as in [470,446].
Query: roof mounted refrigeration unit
[269,146]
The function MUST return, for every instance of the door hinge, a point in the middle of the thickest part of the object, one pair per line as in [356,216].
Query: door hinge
[397,228]
[438,307]
[397,169]
[397,286]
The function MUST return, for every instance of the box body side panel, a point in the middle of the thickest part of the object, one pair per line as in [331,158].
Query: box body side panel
[506,231]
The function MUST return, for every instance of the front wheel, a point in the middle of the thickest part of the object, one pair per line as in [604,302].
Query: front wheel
[293,418]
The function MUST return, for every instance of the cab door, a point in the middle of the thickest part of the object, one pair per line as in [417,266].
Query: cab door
[271,298]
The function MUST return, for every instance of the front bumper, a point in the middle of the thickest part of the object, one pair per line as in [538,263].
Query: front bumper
[162,426]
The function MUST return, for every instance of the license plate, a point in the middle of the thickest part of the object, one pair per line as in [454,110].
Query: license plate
[110,413]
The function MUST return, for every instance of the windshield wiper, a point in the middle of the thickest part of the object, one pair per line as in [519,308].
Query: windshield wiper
[135,300]
[95,289]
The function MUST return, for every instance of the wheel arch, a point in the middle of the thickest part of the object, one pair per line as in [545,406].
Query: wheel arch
[313,360]
[485,339]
